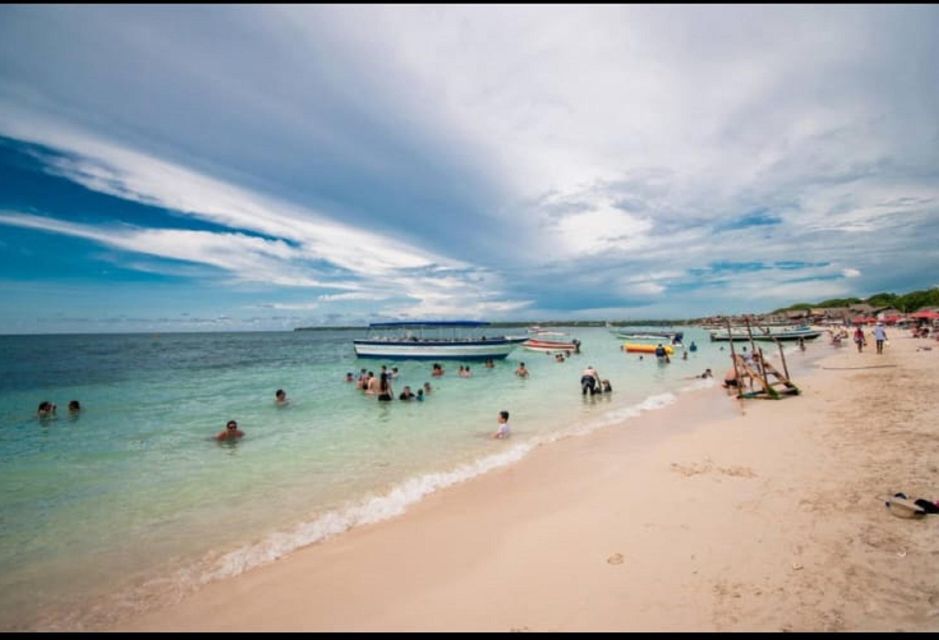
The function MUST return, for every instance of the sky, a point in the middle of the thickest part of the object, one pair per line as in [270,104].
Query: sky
[196,167]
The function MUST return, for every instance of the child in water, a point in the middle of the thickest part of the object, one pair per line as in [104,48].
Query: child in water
[503,430]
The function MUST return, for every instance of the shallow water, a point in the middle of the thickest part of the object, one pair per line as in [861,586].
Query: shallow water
[132,500]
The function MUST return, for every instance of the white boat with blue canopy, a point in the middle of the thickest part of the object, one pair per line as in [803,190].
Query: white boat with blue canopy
[446,340]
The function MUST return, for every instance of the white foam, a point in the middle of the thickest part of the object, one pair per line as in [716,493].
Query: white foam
[367,511]
[396,501]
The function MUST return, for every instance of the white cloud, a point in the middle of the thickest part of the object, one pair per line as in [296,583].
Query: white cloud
[642,288]
[850,273]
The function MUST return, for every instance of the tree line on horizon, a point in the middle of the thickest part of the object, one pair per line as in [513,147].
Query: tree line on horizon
[907,302]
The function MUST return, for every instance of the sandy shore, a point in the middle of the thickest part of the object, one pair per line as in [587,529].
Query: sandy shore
[710,514]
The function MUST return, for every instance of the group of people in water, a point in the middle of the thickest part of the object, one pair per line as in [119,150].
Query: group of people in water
[47,409]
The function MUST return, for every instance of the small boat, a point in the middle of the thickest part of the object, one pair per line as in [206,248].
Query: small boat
[766,334]
[537,344]
[674,337]
[633,347]
[426,341]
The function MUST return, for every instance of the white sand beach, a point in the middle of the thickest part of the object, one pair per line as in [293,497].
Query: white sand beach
[754,515]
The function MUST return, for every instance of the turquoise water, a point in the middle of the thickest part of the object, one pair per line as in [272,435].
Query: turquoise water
[133,501]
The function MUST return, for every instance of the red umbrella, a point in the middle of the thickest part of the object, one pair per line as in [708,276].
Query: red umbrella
[925,315]
[863,320]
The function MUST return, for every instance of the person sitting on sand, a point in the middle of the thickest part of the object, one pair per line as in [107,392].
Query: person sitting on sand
[231,432]
[521,371]
[406,393]
[280,397]
[503,431]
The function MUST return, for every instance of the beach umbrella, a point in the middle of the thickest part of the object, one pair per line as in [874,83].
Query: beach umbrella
[925,315]
[863,320]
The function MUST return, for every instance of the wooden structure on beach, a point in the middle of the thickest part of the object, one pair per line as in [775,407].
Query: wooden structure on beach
[756,377]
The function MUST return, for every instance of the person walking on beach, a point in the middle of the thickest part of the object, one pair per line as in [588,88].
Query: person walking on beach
[231,432]
[880,334]
[503,430]
[859,339]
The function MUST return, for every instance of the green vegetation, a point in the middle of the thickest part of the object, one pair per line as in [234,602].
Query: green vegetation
[908,302]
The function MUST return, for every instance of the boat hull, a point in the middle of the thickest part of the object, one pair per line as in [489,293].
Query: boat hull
[782,337]
[486,350]
[548,345]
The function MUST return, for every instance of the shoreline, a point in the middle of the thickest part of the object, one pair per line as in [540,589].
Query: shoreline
[510,549]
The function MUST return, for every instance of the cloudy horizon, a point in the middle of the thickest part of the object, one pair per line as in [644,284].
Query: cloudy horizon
[253,167]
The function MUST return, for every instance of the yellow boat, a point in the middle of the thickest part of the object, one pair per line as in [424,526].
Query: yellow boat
[635,347]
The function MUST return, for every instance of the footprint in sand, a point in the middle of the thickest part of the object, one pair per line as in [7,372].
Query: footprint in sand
[616,558]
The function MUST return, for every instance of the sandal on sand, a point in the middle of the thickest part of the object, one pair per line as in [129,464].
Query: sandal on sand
[903,507]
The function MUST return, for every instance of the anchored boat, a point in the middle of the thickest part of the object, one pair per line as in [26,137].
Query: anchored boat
[766,334]
[455,340]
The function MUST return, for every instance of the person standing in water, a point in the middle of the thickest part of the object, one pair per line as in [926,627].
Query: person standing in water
[503,431]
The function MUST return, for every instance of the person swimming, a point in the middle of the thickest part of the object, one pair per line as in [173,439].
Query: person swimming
[280,397]
[231,432]
[46,409]
[521,371]
[74,407]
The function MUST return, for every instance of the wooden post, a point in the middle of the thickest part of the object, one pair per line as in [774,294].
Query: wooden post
[758,359]
[733,359]
[782,356]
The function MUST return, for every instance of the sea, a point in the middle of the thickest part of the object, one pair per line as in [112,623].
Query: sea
[132,503]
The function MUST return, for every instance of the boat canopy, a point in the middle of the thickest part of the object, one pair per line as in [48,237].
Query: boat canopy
[415,324]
